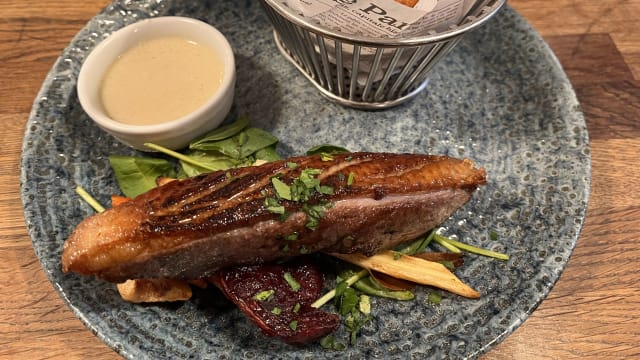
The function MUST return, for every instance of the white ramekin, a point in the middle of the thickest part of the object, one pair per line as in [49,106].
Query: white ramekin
[174,134]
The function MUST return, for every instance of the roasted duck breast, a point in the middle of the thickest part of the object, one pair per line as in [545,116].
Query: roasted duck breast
[187,229]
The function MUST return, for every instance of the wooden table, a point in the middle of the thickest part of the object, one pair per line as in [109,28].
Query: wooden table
[594,310]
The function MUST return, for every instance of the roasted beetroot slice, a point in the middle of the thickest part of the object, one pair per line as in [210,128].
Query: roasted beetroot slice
[277,306]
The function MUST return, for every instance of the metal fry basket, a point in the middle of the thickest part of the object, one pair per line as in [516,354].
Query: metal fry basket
[367,72]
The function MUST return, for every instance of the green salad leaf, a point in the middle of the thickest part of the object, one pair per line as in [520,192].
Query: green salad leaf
[267,153]
[327,149]
[201,162]
[137,175]
[240,145]
[230,146]
[221,133]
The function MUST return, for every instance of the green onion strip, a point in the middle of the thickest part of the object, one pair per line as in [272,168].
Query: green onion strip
[178,156]
[444,241]
[469,248]
[331,294]
[89,199]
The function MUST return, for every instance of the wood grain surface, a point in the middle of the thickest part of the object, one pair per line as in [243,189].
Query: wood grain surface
[594,310]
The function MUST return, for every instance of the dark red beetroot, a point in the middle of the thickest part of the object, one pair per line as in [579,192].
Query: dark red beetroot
[263,293]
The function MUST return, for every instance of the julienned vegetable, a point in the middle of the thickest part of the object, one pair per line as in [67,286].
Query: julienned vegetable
[459,246]
[411,268]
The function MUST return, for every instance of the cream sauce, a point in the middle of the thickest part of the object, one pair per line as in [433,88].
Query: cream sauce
[160,80]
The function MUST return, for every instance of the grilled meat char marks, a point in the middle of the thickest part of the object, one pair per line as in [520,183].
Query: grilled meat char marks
[234,201]
[191,228]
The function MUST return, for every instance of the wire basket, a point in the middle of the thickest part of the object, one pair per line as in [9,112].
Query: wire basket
[367,72]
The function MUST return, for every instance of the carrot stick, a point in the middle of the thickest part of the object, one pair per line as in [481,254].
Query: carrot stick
[118,200]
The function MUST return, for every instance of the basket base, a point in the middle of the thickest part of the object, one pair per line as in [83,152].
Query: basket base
[367,105]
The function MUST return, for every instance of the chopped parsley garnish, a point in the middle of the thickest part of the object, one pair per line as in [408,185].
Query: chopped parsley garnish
[314,214]
[354,321]
[347,301]
[448,264]
[296,308]
[264,295]
[329,342]
[434,298]
[276,311]
[324,189]
[351,178]
[282,190]
[364,305]
[295,286]
[293,325]
[301,190]
[272,205]
[306,184]
[356,310]
[326,157]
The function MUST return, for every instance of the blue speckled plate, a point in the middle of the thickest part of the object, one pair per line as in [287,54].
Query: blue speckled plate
[499,98]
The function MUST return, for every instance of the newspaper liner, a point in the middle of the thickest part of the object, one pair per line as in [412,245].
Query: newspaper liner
[380,18]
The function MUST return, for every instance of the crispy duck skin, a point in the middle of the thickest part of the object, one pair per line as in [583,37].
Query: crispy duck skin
[190,228]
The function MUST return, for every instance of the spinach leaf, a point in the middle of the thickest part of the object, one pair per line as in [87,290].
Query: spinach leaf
[229,146]
[208,161]
[137,175]
[267,153]
[240,145]
[327,149]
[221,133]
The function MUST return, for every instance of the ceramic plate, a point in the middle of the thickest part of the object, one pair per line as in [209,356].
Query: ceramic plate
[500,98]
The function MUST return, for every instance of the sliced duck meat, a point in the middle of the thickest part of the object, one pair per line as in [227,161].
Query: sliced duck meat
[347,203]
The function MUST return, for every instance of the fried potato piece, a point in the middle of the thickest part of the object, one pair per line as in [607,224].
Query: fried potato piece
[154,290]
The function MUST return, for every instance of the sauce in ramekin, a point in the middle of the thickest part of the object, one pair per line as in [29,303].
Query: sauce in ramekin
[160,80]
